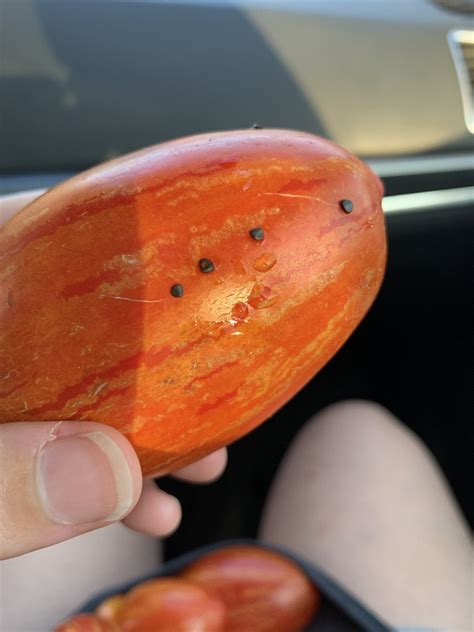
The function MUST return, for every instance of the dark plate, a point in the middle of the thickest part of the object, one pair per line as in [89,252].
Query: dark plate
[339,610]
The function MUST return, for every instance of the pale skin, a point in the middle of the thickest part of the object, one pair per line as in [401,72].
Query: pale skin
[32,518]
[360,496]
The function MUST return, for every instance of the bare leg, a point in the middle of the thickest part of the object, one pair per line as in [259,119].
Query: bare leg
[360,496]
[39,589]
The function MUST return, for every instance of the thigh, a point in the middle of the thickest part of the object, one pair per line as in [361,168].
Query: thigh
[39,589]
[360,496]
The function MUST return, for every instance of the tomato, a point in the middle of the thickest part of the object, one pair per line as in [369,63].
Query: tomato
[108,609]
[184,293]
[262,590]
[169,605]
[86,623]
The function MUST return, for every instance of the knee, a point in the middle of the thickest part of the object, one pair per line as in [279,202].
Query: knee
[355,416]
[360,425]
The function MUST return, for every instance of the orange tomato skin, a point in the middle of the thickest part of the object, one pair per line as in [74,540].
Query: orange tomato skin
[91,331]
[170,605]
[262,590]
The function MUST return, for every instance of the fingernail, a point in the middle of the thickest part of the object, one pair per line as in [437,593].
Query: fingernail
[84,478]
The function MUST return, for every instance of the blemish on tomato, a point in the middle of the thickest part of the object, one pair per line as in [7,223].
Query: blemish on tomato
[100,387]
[261,296]
[240,311]
[265,262]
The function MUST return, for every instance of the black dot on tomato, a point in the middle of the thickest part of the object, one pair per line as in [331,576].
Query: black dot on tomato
[206,265]
[346,205]
[257,233]
[177,290]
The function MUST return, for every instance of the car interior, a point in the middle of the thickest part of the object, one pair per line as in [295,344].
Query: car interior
[82,82]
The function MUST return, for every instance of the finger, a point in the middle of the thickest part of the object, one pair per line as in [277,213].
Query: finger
[206,470]
[156,513]
[11,204]
[60,479]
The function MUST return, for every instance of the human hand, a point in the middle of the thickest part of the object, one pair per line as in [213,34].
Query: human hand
[61,479]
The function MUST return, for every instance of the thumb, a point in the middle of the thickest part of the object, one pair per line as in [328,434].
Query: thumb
[61,479]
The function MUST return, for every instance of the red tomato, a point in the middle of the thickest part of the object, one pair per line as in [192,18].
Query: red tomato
[184,293]
[170,605]
[262,590]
